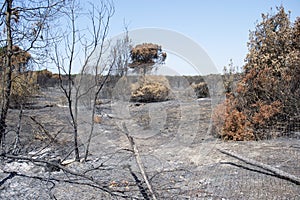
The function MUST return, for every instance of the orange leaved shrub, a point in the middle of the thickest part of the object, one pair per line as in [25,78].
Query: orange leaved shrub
[231,124]
[268,92]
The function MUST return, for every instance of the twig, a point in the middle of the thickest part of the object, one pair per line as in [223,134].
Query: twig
[139,184]
[49,143]
[139,160]
[17,139]
[38,107]
[66,170]
[43,128]
[54,164]
[10,176]
[78,182]
[276,172]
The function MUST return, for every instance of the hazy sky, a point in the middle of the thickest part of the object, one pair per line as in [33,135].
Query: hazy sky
[221,28]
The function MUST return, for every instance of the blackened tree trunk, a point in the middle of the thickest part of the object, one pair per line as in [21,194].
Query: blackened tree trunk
[7,72]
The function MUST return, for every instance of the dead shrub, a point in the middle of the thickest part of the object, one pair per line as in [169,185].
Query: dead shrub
[150,89]
[145,56]
[231,75]
[265,95]
[43,77]
[24,87]
[231,124]
[201,90]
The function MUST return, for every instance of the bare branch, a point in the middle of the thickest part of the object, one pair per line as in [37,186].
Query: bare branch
[138,160]
[277,172]
[43,128]
[95,184]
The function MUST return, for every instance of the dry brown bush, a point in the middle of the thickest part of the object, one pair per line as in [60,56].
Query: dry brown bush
[268,91]
[145,56]
[24,87]
[20,58]
[43,76]
[46,78]
[23,82]
[200,89]
[146,53]
[231,124]
[151,89]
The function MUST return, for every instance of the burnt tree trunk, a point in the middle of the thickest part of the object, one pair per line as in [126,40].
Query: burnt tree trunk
[7,72]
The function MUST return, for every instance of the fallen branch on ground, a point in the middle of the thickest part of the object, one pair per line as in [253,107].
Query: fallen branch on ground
[43,128]
[138,160]
[276,172]
[69,171]
[31,107]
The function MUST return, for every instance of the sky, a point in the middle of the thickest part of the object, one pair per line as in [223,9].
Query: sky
[220,28]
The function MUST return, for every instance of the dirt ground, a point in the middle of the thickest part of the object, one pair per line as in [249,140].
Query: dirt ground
[179,154]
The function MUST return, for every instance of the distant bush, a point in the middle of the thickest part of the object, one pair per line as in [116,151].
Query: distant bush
[201,90]
[24,87]
[46,78]
[43,77]
[144,57]
[150,89]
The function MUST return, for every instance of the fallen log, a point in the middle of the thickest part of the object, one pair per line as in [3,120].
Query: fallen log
[275,172]
[139,161]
